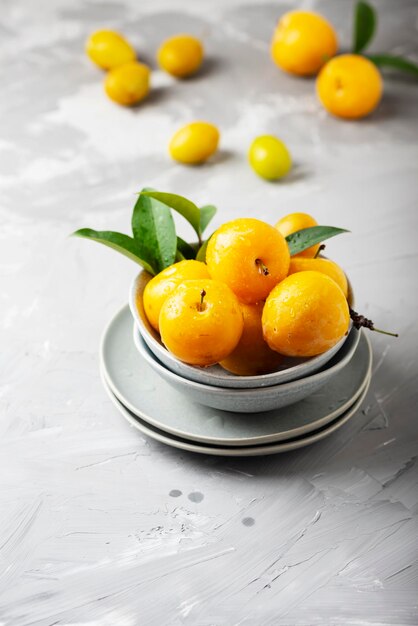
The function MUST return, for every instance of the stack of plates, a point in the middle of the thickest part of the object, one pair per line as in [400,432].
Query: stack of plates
[163,413]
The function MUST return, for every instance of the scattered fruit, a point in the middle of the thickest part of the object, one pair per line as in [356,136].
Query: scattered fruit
[163,284]
[181,55]
[269,157]
[349,86]
[294,222]
[250,256]
[252,355]
[128,84]
[201,322]
[305,315]
[108,49]
[303,42]
[194,143]
[325,266]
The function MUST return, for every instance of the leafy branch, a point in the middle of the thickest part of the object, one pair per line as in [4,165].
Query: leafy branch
[365,26]
[154,243]
[307,237]
[365,22]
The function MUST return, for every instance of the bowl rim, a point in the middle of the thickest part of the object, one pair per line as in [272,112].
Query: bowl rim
[257,378]
[273,389]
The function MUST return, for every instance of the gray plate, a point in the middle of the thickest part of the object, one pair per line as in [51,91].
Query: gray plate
[251,400]
[256,450]
[144,393]
[290,369]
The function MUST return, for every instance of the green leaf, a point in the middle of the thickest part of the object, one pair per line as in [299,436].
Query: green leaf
[154,232]
[398,63]
[117,241]
[186,250]
[364,26]
[206,214]
[307,237]
[185,207]
[201,253]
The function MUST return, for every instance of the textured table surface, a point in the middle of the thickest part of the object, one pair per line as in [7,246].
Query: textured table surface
[90,532]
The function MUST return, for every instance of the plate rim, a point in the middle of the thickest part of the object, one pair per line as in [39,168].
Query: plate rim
[270,389]
[236,442]
[235,451]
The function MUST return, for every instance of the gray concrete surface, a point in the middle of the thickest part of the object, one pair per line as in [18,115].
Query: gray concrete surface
[100,526]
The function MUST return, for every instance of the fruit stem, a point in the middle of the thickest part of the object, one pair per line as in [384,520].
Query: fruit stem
[263,269]
[321,247]
[200,306]
[359,321]
[385,332]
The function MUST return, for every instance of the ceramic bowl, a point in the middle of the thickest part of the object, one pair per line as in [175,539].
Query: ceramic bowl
[249,400]
[290,369]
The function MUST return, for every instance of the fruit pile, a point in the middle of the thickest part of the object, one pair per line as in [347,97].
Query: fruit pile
[244,297]
[249,304]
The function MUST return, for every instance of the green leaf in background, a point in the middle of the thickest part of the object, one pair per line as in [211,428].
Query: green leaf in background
[185,207]
[154,232]
[307,237]
[185,249]
[206,214]
[364,26]
[118,241]
[398,63]
[201,253]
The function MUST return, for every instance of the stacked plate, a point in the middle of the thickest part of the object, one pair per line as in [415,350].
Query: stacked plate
[213,412]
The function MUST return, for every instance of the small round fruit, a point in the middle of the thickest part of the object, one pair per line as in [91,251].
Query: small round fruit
[194,143]
[109,49]
[250,256]
[201,322]
[181,55]
[349,86]
[252,356]
[128,84]
[302,42]
[298,221]
[163,284]
[326,266]
[269,157]
[305,315]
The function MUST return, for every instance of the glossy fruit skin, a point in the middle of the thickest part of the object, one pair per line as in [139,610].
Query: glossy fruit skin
[297,221]
[163,284]
[302,42]
[305,315]
[269,157]
[108,49]
[326,266]
[252,356]
[201,337]
[236,252]
[181,55]
[194,143]
[349,86]
[128,84]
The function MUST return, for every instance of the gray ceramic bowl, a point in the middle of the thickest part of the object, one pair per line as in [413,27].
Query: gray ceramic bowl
[251,400]
[290,369]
